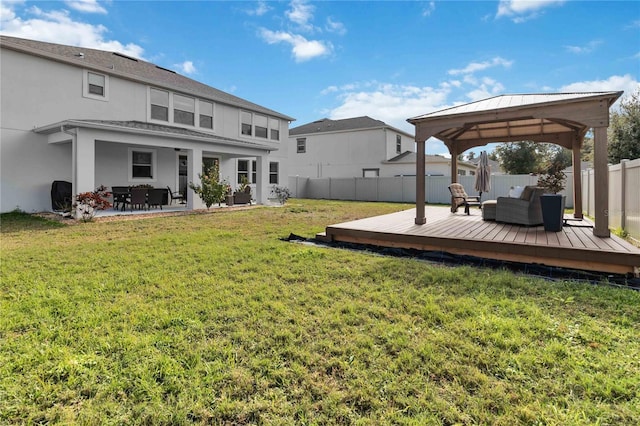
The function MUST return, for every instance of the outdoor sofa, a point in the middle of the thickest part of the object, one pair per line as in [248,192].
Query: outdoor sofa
[522,210]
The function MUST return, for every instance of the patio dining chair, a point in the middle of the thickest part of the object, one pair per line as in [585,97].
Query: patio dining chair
[120,196]
[138,198]
[155,197]
[175,196]
[459,198]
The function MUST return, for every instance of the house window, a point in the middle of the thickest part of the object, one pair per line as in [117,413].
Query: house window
[462,172]
[273,173]
[243,170]
[254,171]
[302,145]
[209,164]
[142,163]
[95,86]
[398,144]
[246,123]
[274,128]
[206,114]
[260,125]
[370,173]
[184,109]
[159,105]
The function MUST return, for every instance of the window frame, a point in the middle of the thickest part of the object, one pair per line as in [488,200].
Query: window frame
[168,107]
[398,144]
[153,165]
[197,114]
[86,92]
[272,173]
[183,112]
[376,170]
[301,145]
[241,173]
[254,171]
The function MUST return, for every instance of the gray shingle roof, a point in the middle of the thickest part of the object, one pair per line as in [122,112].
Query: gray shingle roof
[326,125]
[120,65]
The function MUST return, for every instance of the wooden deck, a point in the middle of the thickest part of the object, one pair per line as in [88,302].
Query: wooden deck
[574,247]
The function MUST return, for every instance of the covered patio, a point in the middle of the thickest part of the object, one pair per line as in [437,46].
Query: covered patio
[563,119]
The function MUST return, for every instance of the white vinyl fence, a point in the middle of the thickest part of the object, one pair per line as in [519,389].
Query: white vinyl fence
[624,196]
[624,191]
[402,189]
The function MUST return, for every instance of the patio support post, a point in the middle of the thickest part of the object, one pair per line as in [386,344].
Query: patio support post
[262,172]
[85,162]
[194,169]
[577,177]
[454,172]
[601,183]
[420,184]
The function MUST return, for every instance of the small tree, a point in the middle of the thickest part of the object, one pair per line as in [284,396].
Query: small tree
[87,203]
[624,130]
[211,189]
[552,178]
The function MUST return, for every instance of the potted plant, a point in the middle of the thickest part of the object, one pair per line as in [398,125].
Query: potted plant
[243,193]
[552,203]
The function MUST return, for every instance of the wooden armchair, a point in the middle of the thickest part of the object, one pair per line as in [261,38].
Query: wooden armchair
[460,198]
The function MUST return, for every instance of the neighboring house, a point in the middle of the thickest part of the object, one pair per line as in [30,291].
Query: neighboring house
[435,165]
[353,147]
[94,117]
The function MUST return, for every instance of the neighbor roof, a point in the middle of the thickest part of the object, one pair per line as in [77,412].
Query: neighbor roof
[117,64]
[327,125]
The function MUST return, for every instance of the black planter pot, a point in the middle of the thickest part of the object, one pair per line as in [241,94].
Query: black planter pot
[552,211]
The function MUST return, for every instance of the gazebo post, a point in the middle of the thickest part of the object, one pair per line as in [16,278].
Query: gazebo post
[601,182]
[578,140]
[420,184]
[454,171]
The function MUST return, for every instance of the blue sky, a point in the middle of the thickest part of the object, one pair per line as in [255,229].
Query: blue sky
[390,60]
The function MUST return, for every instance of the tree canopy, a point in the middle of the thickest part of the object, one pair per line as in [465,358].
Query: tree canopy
[624,130]
[526,157]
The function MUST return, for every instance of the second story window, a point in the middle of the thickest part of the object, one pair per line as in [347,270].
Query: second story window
[206,115]
[95,86]
[301,145]
[246,123]
[260,125]
[184,109]
[398,144]
[274,128]
[159,105]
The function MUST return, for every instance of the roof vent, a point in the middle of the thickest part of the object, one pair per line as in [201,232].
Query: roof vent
[80,55]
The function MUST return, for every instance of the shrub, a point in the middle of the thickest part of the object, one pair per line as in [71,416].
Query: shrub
[211,189]
[282,193]
[87,203]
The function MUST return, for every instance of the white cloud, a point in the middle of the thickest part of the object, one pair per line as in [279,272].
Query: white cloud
[87,6]
[335,27]
[391,103]
[186,67]
[302,49]
[58,27]
[523,10]
[261,8]
[613,84]
[588,48]
[429,8]
[301,13]
[481,66]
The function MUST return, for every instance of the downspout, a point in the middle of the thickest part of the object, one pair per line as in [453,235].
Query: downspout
[74,156]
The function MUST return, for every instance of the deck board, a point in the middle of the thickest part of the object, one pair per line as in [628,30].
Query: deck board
[574,246]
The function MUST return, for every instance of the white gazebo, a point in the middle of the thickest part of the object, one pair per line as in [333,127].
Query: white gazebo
[559,118]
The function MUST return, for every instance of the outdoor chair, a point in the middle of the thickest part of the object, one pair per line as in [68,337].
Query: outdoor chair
[138,198]
[155,197]
[120,196]
[175,196]
[524,210]
[459,198]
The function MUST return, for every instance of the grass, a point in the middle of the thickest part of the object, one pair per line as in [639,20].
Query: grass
[212,319]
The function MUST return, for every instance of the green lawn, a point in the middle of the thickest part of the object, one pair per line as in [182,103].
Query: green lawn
[212,319]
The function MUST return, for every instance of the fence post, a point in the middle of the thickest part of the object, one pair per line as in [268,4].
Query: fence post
[623,197]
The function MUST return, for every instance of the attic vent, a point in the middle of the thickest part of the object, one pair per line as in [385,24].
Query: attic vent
[125,56]
[165,69]
[79,55]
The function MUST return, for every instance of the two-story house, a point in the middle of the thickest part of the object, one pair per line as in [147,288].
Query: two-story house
[352,147]
[94,117]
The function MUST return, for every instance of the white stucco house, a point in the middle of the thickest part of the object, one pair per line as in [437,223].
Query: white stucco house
[352,147]
[93,117]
